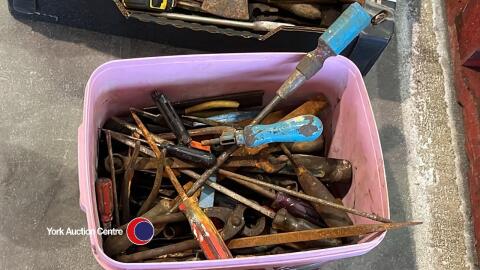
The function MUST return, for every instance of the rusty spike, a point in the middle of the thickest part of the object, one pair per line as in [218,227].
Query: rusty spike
[303,196]
[317,234]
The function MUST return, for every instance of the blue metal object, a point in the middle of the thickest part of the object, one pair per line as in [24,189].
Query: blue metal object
[305,128]
[230,117]
[208,194]
[346,28]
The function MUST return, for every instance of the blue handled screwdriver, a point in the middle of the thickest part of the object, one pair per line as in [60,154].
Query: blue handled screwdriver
[305,128]
[336,38]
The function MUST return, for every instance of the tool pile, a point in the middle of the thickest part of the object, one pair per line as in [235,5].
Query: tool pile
[257,15]
[279,181]
[244,179]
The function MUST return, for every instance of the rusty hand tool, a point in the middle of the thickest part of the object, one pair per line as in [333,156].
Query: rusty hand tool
[304,128]
[263,210]
[307,11]
[272,239]
[210,241]
[262,26]
[271,118]
[309,198]
[204,177]
[127,180]
[338,36]
[116,244]
[316,234]
[264,162]
[200,121]
[245,99]
[198,132]
[255,8]
[286,183]
[104,192]
[230,9]
[294,206]
[314,107]
[156,252]
[283,221]
[177,230]
[311,107]
[329,170]
[114,181]
[214,104]
[235,223]
[297,208]
[202,227]
[182,152]
[275,239]
[313,187]
[171,118]
[156,185]
[232,219]
[142,163]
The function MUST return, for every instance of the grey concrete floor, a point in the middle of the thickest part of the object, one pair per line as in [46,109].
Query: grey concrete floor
[43,71]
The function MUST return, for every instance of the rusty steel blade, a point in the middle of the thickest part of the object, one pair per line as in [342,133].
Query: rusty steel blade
[317,234]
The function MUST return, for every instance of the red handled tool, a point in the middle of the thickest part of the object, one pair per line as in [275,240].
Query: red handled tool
[104,190]
[208,237]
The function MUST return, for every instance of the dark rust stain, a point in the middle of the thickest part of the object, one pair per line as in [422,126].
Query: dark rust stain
[309,128]
[249,136]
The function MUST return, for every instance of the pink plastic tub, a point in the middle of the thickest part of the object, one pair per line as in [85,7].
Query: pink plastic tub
[118,85]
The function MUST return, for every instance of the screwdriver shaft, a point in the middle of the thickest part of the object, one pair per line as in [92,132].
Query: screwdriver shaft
[305,197]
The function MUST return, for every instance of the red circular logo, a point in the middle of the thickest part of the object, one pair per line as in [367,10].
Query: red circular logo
[140,231]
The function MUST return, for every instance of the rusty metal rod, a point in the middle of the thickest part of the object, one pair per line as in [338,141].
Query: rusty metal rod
[114,181]
[316,234]
[265,211]
[272,239]
[217,130]
[371,216]
[168,218]
[150,139]
[130,141]
[204,177]
[183,152]
[156,252]
[127,180]
[116,244]
[156,185]
[312,186]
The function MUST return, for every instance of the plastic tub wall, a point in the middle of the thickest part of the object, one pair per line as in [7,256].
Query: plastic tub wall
[118,85]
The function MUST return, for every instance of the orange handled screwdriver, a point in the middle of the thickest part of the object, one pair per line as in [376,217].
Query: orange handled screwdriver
[208,237]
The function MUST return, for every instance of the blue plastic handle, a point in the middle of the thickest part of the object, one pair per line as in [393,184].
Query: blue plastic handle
[346,28]
[305,128]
